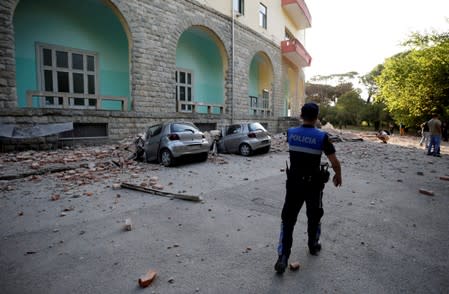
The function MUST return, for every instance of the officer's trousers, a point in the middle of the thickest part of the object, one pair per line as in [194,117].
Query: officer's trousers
[298,191]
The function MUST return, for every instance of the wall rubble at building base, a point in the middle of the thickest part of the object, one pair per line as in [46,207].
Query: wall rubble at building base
[120,125]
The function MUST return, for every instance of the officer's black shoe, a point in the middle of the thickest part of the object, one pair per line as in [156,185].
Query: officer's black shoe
[281,264]
[314,249]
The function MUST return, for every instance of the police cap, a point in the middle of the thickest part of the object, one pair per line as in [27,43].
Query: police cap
[310,111]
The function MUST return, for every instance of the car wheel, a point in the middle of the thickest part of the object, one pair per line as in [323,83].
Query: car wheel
[245,150]
[203,156]
[166,158]
[147,157]
[266,149]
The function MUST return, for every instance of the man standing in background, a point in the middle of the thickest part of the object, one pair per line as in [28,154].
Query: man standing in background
[435,135]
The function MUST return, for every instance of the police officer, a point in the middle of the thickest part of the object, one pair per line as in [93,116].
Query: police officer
[305,182]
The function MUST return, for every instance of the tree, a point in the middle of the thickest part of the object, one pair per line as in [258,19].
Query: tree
[349,108]
[375,114]
[369,80]
[415,83]
[326,94]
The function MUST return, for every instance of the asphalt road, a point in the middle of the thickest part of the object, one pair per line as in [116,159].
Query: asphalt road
[379,234]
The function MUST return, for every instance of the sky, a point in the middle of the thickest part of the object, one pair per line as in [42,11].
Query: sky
[356,35]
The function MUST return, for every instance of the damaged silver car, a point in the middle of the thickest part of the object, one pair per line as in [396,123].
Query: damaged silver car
[169,141]
[244,139]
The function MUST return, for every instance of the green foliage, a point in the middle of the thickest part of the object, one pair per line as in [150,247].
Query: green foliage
[369,80]
[349,108]
[415,83]
[325,94]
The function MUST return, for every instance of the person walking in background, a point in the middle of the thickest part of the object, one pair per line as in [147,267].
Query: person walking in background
[435,136]
[401,129]
[425,135]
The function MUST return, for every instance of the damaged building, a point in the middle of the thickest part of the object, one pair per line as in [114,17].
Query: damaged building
[113,67]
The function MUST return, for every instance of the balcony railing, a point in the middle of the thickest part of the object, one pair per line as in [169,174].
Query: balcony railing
[72,100]
[195,107]
[299,13]
[259,106]
[294,51]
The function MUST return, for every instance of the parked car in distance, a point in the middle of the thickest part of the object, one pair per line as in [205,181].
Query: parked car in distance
[244,139]
[167,142]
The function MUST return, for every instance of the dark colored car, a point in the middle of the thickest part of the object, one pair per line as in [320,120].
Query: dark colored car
[166,142]
[244,139]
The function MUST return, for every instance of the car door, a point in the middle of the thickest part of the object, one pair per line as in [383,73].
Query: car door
[232,138]
[152,142]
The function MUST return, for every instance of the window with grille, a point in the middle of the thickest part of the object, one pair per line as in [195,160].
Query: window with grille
[184,90]
[66,70]
[265,99]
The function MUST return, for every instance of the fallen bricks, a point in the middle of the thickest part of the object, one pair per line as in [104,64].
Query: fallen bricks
[294,266]
[147,279]
[42,171]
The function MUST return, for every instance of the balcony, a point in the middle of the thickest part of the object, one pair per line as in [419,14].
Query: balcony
[294,51]
[298,12]
[72,100]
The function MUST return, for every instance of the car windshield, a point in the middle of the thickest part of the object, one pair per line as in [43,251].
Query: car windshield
[180,127]
[255,127]
[154,130]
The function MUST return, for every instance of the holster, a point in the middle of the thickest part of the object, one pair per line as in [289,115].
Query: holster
[322,176]
[324,172]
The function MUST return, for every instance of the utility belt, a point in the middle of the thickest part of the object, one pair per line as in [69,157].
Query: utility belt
[322,175]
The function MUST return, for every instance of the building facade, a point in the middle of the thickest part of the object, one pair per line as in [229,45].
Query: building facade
[113,66]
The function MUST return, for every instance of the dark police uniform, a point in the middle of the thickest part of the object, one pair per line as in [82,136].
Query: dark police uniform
[304,184]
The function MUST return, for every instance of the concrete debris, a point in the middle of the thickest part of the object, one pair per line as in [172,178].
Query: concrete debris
[55,197]
[294,266]
[147,279]
[116,186]
[340,136]
[171,280]
[128,224]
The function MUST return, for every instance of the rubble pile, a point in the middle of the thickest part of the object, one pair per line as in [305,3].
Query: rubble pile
[83,165]
[279,143]
[340,136]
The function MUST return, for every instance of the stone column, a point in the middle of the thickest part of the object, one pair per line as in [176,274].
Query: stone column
[8,96]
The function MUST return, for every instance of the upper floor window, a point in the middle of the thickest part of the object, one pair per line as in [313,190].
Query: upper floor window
[239,6]
[262,15]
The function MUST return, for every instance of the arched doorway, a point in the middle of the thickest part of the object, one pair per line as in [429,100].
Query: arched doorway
[201,63]
[260,84]
[71,54]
